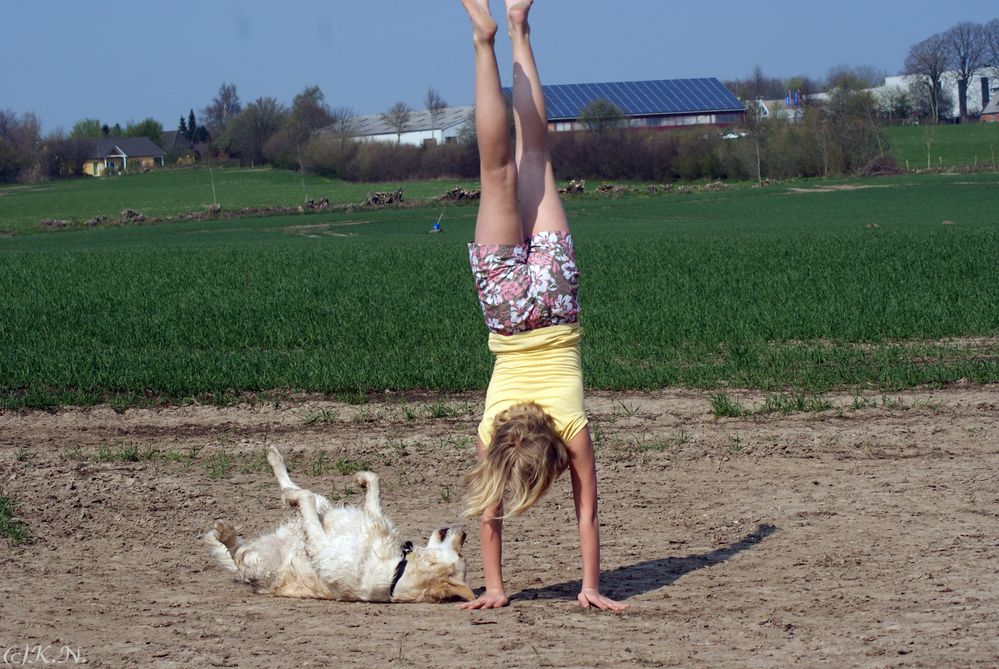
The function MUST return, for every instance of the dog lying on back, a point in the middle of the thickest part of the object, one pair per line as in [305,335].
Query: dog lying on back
[334,551]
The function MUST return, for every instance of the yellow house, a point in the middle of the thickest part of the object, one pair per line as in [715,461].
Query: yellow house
[119,154]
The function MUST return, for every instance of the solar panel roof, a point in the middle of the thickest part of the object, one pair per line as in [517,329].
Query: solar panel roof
[641,98]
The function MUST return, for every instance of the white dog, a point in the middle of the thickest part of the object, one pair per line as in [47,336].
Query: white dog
[329,551]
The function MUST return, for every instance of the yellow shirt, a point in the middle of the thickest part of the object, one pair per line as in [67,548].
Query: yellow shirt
[541,366]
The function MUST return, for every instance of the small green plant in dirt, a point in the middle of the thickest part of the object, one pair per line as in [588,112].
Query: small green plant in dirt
[734,443]
[892,403]
[353,397]
[366,415]
[322,464]
[124,452]
[794,402]
[626,410]
[75,454]
[446,493]
[219,464]
[441,409]
[12,529]
[348,466]
[254,464]
[185,458]
[320,416]
[458,443]
[23,455]
[725,407]
[863,402]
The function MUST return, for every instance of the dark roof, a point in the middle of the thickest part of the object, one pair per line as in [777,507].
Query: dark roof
[130,146]
[642,98]
[172,139]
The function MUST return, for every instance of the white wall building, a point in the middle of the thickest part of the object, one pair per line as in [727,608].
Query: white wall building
[419,129]
[982,88]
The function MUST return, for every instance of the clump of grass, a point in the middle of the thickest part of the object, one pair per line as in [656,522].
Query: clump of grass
[794,402]
[441,409]
[186,458]
[219,464]
[347,466]
[12,529]
[446,493]
[725,407]
[315,416]
[626,410]
[124,452]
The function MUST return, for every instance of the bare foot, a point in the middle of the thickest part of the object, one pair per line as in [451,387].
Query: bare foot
[483,24]
[516,16]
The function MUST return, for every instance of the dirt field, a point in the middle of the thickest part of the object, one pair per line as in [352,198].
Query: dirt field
[864,535]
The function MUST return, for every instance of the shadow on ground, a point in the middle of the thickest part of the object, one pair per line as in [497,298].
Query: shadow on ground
[637,579]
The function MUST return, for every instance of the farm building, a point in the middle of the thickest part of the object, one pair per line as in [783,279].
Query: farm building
[419,129]
[982,89]
[117,153]
[666,103]
[991,113]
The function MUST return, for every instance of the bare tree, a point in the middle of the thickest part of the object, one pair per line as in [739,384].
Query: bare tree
[249,131]
[927,60]
[343,122]
[435,107]
[224,107]
[966,50]
[397,118]
[991,30]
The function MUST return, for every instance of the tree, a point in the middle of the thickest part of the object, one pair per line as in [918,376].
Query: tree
[854,78]
[182,129]
[224,107]
[601,115]
[397,118]
[149,127]
[927,61]
[343,122]
[436,106]
[88,127]
[247,133]
[894,103]
[192,125]
[991,31]
[966,46]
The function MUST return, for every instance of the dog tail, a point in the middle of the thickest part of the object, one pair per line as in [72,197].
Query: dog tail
[219,551]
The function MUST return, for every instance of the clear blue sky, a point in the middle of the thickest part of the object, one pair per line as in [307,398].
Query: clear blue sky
[126,60]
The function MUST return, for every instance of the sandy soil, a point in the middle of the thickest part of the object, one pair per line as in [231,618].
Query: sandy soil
[864,535]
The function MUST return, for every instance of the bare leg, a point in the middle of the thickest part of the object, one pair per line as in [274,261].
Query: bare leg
[540,206]
[498,221]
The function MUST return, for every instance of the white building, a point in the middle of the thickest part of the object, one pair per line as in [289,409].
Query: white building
[419,128]
[983,87]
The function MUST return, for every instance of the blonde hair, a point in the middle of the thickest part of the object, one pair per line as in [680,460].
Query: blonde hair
[526,455]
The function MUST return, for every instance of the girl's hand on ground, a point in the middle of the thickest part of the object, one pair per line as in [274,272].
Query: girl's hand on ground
[490,599]
[591,597]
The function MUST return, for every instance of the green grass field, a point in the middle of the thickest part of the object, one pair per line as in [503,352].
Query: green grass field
[764,288]
[950,145]
[170,192]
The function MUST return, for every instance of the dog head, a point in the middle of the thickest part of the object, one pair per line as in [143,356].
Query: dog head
[435,573]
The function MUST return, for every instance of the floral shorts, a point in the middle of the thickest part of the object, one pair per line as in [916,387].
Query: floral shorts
[527,286]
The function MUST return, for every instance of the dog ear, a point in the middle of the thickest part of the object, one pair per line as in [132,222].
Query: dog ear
[448,590]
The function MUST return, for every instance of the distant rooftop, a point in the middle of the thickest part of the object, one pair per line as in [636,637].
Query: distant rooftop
[419,121]
[641,98]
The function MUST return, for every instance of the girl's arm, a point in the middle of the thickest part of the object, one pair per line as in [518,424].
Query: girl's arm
[582,469]
[491,540]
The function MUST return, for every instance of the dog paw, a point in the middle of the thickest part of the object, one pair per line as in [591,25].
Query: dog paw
[274,457]
[365,479]
[224,532]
